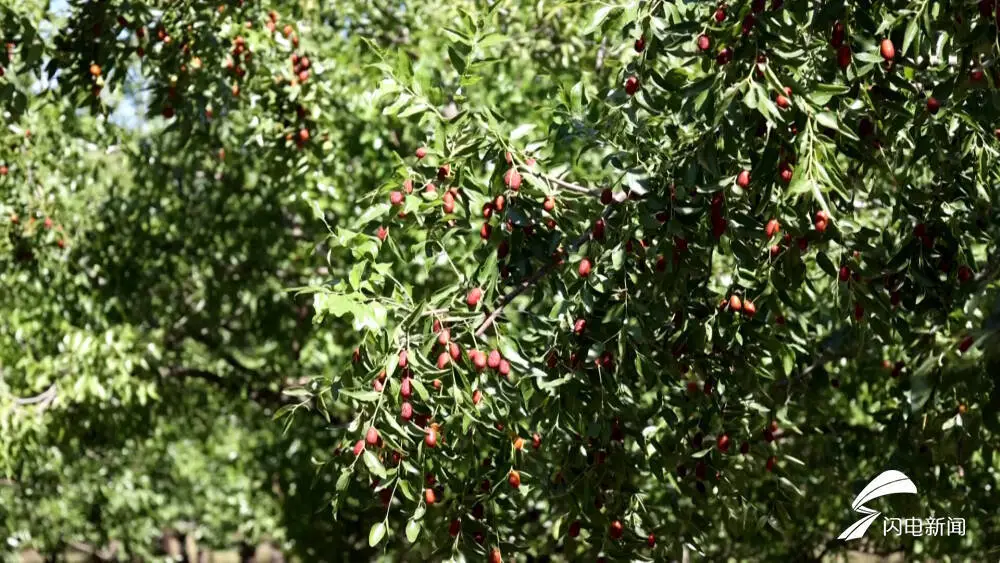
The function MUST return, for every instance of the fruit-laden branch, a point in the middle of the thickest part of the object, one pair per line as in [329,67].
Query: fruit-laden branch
[541,273]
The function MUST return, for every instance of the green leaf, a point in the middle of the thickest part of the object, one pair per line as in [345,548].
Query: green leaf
[784,481]
[909,35]
[921,388]
[363,396]
[788,363]
[825,92]
[420,388]
[412,530]
[376,534]
[456,35]
[343,480]
[826,264]
[404,487]
[750,97]
[801,183]
[521,131]
[672,80]
[355,276]
[401,100]
[827,119]
[599,16]
[552,384]
[457,60]
[927,366]
[413,109]
[952,422]
[491,40]
[374,465]
[336,304]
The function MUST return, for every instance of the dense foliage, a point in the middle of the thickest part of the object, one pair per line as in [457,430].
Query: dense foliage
[498,280]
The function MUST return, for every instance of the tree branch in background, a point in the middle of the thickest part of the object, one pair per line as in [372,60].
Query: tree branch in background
[43,399]
[264,396]
[227,357]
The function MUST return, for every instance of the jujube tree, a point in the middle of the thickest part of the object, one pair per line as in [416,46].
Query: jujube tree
[771,225]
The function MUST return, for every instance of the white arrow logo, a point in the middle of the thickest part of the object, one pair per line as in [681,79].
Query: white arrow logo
[890,482]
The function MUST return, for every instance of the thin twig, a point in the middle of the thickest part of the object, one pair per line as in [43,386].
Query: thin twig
[541,273]
[513,294]
[43,397]
[564,184]
[433,312]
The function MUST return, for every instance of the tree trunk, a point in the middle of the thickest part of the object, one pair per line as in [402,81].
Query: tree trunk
[171,545]
[190,548]
[248,553]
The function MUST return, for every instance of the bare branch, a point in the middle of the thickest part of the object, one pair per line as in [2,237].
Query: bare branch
[43,399]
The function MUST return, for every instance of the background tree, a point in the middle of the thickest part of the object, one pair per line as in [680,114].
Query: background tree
[497,280]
